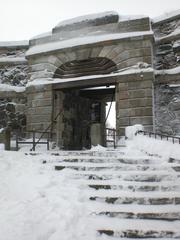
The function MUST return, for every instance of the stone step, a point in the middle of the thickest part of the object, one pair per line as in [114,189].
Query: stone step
[133,188]
[127,197]
[137,228]
[138,176]
[96,207]
[142,234]
[87,166]
[89,153]
[106,237]
[168,216]
[118,184]
[103,159]
[137,200]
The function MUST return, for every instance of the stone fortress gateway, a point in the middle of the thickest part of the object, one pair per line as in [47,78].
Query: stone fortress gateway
[64,78]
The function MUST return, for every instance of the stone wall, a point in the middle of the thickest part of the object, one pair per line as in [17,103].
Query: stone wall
[167,44]
[167,109]
[39,107]
[13,65]
[12,113]
[167,61]
[134,102]
[13,78]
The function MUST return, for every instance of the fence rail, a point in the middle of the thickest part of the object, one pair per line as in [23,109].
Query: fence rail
[160,136]
[111,136]
[34,142]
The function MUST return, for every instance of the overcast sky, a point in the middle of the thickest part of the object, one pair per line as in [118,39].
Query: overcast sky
[23,19]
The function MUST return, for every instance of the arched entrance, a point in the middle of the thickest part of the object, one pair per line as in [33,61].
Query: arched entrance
[84,108]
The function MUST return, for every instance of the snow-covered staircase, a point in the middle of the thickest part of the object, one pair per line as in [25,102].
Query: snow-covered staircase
[128,197]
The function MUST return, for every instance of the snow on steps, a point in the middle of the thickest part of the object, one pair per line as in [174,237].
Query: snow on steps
[128,197]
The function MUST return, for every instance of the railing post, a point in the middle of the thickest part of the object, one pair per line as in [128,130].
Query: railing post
[17,147]
[48,141]
[34,141]
[114,138]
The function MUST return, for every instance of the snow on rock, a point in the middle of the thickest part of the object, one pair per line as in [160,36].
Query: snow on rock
[131,131]
[7,88]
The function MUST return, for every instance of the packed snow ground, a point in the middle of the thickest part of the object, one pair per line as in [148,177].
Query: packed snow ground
[38,203]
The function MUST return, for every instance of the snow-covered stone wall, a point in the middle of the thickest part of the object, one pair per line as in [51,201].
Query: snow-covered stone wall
[167,80]
[167,47]
[167,109]
[13,78]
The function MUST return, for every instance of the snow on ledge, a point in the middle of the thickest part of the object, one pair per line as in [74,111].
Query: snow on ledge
[127,71]
[166,16]
[13,60]
[14,44]
[8,88]
[86,18]
[168,71]
[124,18]
[75,42]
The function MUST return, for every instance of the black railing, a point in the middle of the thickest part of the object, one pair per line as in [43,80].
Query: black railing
[46,130]
[160,136]
[111,136]
[34,141]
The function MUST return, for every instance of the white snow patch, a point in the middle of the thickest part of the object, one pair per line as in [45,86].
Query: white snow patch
[172,71]
[131,131]
[38,203]
[12,60]
[98,148]
[162,148]
[7,88]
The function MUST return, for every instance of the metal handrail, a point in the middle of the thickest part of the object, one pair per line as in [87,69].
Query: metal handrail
[33,142]
[113,135]
[49,126]
[162,136]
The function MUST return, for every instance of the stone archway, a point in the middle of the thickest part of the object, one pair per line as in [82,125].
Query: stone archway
[85,67]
